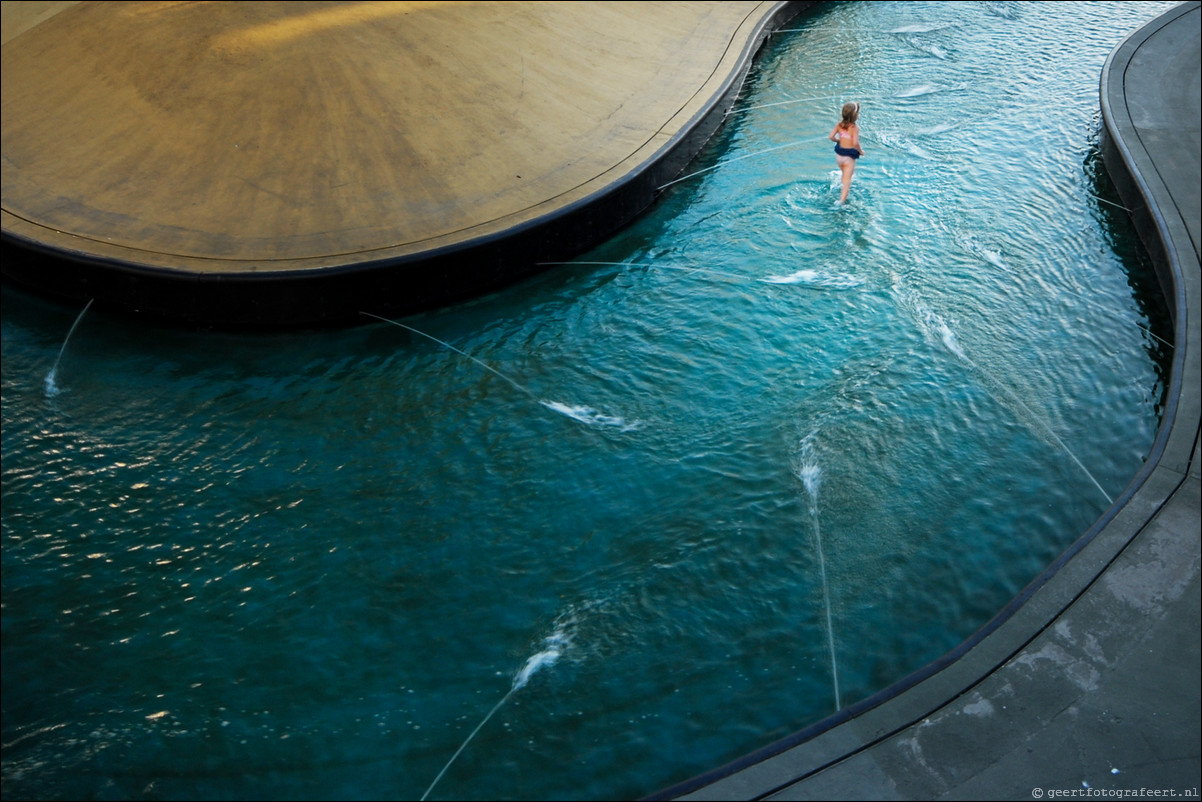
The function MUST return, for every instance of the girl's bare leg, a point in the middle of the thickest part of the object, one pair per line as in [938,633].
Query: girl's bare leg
[848,166]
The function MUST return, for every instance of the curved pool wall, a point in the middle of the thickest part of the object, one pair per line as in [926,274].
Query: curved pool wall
[1141,502]
[237,299]
[934,734]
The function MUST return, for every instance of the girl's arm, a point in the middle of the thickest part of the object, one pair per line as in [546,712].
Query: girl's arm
[834,137]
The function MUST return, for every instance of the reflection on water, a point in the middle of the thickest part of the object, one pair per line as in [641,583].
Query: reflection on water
[783,453]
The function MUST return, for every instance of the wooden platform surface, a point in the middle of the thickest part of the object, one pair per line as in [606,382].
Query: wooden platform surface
[259,136]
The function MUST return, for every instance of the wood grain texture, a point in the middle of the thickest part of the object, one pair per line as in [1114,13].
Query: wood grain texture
[254,136]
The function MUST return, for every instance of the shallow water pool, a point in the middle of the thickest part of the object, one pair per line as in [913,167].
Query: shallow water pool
[751,461]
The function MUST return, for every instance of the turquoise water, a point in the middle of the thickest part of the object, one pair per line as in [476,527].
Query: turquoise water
[754,459]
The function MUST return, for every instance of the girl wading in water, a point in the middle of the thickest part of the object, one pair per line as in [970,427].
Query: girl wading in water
[846,137]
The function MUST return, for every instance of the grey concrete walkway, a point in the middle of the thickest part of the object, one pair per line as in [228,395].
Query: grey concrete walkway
[1089,684]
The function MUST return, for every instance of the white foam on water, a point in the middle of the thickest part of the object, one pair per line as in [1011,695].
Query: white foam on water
[814,278]
[547,657]
[948,338]
[920,90]
[937,329]
[810,476]
[555,644]
[589,416]
[991,255]
[928,89]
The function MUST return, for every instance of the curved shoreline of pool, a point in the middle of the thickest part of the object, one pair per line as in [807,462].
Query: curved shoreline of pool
[201,272]
[1089,677]
[1094,666]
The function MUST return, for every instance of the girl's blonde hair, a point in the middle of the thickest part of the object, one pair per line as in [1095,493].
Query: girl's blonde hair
[851,113]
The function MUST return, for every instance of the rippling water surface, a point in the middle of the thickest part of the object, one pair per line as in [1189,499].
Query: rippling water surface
[756,458]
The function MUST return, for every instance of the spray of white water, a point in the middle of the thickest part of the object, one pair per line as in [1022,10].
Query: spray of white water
[51,377]
[553,646]
[928,89]
[589,416]
[817,280]
[586,415]
[810,474]
[983,252]
[1042,427]
[739,158]
[934,325]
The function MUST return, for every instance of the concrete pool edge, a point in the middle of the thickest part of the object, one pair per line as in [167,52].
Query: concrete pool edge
[1161,503]
[1089,679]
[68,269]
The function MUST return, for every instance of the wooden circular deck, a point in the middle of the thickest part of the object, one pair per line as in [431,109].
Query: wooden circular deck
[227,139]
